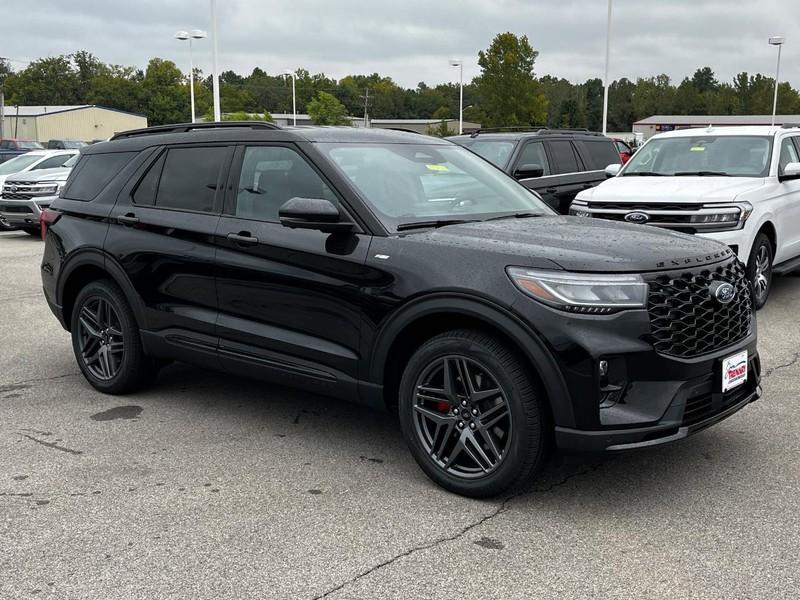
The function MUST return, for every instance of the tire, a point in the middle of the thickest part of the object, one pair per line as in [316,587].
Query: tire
[461,458]
[759,270]
[33,232]
[106,342]
[5,226]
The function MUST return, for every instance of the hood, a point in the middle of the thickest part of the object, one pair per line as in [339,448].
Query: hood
[57,174]
[580,244]
[671,189]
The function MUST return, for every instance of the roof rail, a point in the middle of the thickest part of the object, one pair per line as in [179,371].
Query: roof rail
[184,127]
[535,129]
[790,125]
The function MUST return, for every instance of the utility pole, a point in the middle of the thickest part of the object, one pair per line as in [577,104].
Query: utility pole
[366,104]
[605,78]
[2,112]
[214,69]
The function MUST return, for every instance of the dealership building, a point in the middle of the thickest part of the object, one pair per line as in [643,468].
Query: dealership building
[85,122]
[660,123]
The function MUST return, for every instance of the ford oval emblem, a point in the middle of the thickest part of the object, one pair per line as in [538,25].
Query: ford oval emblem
[723,292]
[12,189]
[640,218]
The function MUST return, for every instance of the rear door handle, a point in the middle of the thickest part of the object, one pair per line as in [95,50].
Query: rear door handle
[243,238]
[551,190]
[129,219]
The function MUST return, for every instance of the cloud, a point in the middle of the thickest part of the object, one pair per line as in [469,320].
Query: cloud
[412,40]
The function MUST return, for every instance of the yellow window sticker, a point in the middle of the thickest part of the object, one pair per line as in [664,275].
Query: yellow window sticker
[436,167]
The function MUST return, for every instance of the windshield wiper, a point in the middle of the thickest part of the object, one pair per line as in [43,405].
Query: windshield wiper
[644,174]
[519,215]
[701,174]
[434,224]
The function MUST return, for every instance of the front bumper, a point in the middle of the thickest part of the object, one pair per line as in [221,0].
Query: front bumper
[24,213]
[698,405]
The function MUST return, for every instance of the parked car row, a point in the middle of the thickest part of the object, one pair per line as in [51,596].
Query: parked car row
[11,148]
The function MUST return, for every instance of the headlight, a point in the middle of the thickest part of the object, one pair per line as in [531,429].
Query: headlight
[586,293]
[53,188]
[578,209]
[722,218]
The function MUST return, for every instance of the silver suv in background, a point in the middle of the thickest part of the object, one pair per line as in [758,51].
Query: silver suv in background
[25,195]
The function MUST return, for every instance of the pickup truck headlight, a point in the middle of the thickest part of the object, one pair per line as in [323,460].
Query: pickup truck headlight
[586,293]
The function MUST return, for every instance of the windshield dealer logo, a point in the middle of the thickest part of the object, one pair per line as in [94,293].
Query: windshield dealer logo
[640,218]
[723,292]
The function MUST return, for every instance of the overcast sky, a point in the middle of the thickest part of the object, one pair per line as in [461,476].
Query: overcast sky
[412,40]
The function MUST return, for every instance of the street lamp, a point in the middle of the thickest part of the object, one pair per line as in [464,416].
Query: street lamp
[457,62]
[605,77]
[293,75]
[778,41]
[214,68]
[196,34]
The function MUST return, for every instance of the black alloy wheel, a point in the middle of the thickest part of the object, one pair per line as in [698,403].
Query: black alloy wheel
[759,270]
[472,413]
[100,336]
[461,416]
[106,340]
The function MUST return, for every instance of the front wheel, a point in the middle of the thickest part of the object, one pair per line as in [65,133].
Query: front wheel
[759,269]
[106,342]
[471,414]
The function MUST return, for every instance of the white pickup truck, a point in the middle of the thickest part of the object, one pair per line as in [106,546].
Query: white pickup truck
[738,185]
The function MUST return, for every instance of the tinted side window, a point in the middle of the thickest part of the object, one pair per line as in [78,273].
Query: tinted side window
[145,194]
[563,156]
[5,145]
[533,154]
[598,154]
[190,177]
[53,162]
[94,172]
[270,176]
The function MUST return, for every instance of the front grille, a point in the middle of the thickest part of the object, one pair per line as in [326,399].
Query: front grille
[686,320]
[627,207]
[14,209]
[13,196]
[25,190]
[687,217]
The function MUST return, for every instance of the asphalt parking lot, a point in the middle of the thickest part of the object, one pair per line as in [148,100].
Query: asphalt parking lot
[203,487]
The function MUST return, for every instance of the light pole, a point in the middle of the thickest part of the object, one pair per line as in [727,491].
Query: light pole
[457,62]
[605,77]
[214,70]
[778,41]
[293,75]
[196,34]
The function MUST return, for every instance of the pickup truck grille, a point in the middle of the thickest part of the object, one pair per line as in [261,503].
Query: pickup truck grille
[25,190]
[687,321]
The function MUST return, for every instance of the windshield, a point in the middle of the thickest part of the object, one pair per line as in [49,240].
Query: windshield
[407,183]
[73,144]
[29,145]
[71,162]
[19,163]
[722,155]
[497,152]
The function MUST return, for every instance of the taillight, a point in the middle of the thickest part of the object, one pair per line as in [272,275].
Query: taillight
[47,218]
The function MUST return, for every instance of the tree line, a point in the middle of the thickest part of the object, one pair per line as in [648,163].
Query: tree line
[507,92]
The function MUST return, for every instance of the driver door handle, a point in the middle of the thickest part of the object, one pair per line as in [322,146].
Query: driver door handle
[128,219]
[551,190]
[243,238]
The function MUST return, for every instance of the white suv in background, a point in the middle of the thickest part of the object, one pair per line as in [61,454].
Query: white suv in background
[738,185]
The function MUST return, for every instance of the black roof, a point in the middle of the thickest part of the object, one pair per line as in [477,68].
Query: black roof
[186,133]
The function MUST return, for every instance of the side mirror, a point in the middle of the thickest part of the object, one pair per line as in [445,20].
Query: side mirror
[612,170]
[528,171]
[790,171]
[312,213]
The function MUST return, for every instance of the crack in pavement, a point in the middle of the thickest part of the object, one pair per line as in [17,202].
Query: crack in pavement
[52,445]
[500,509]
[771,370]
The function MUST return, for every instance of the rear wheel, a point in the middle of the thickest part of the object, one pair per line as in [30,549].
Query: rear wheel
[759,269]
[35,232]
[471,414]
[106,342]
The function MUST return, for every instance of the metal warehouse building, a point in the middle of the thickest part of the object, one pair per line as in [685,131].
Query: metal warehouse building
[661,123]
[82,122]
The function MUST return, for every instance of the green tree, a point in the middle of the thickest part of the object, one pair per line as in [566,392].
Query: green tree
[165,97]
[325,109]
[507,90]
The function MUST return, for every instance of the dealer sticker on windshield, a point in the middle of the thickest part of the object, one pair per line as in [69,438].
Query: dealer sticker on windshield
[734,371]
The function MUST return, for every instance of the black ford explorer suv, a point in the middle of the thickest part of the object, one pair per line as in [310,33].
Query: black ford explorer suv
[556,163]
[403,272]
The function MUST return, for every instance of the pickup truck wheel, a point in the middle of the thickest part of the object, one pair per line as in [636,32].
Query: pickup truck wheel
[759,270]
[471,414]
[106,342]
